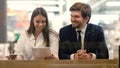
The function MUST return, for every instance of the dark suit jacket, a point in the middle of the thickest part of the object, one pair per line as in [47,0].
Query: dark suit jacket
[94,42]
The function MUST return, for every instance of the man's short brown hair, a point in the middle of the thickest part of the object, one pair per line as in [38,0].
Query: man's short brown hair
[83,8]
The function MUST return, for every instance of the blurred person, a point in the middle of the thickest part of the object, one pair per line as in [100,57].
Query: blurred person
[22,19]
[38,35]
[92,44]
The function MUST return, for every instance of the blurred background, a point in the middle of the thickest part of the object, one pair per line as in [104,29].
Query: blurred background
[17,13]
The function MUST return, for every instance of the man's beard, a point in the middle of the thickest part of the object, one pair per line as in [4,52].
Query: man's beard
[76,25]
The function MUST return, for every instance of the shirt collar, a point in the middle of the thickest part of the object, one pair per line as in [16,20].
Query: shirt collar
[32,37]
[83,30]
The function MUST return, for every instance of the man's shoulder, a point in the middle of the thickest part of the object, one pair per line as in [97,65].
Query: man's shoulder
[67,27]
[94,25]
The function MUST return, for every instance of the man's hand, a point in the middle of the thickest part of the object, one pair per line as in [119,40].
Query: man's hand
[81,54]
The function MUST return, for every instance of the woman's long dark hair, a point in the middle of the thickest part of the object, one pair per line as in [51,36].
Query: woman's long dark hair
[45,31]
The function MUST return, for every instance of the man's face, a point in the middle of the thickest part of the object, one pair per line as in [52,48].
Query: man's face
[77,20]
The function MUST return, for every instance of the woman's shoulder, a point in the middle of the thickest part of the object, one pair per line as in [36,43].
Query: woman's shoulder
[53,32]
[25,33]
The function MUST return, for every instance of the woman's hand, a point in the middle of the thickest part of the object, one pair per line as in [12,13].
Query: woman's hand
[52,56]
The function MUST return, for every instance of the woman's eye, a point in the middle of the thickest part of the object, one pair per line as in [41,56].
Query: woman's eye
[43,21]
[37,21]
[40,21]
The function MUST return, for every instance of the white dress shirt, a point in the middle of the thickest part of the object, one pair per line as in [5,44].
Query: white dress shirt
[26,43]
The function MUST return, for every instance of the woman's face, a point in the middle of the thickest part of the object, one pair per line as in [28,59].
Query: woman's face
[39,23]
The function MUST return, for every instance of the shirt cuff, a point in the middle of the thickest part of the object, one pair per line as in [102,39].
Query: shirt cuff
[93,56]
[72,56]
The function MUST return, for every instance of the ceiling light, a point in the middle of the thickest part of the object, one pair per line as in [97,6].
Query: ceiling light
[115,3]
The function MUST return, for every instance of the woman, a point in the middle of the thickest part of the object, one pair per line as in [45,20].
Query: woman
[38,35]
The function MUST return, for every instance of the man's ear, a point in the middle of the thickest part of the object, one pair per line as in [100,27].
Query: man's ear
[86,19]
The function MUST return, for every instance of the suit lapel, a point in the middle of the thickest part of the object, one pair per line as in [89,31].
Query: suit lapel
[72,34]
[87,35]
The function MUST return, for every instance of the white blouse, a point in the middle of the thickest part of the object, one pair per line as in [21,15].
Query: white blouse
[25,44]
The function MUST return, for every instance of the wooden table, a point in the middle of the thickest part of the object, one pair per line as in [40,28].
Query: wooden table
[101,63]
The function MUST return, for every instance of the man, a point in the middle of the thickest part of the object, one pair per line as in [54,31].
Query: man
[92,44]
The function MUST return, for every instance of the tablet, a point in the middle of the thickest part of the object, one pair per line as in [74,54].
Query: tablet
[41,53]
